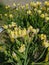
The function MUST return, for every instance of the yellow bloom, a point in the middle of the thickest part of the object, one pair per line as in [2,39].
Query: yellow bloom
[24,32]
[8,6]
[22,6]
[30,28]
[13,24]
[5,14]
[27,5]
[16,34]
[8,30]
[11,16]
[35,9]
[18,4]
[22,48]
[20,32]
[10,25]
[45,44]
[17,9]
[42,16]
[47,18]
[43,37]
[15,28]
[33,4]
[5,26]
[39,11]
[34,31]
[29,12]
[14,4]
[12,35]
[37,30]
[46,3]
[38,3]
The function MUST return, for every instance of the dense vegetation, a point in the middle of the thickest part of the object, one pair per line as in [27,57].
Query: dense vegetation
[26,31]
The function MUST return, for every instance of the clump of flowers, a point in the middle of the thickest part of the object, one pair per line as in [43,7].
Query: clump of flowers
[15,32]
